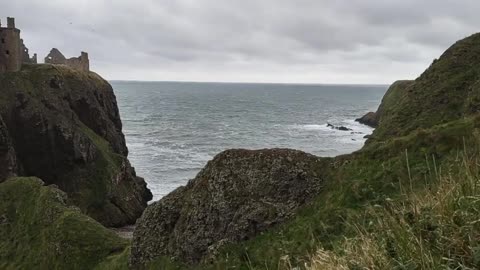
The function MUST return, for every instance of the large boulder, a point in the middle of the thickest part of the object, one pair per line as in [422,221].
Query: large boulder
[239,194]
[65,128]
[370,119]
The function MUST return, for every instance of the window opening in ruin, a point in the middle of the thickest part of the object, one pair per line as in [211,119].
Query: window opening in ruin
[7,52]
[3,40]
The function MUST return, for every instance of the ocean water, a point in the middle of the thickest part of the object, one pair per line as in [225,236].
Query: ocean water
[173,128]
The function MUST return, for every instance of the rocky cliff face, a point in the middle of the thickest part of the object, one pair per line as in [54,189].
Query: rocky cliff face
[239,194]
[8,159]
[64,127]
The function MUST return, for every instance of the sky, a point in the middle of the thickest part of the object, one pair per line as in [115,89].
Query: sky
[283,41]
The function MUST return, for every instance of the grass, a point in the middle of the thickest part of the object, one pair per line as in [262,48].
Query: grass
[448,90]
[436,228]
[38,230]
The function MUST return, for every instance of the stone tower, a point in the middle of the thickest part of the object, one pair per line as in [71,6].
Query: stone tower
[10,47]
[13,52]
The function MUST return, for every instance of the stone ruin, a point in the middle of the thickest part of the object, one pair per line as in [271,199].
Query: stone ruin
[79,63]
[14,53]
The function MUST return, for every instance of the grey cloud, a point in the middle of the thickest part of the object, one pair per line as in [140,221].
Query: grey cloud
[268,40]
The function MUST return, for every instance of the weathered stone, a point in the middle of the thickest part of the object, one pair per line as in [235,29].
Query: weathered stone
[239,194]
[81,63]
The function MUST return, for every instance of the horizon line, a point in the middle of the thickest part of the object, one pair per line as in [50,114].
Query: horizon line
[236,82]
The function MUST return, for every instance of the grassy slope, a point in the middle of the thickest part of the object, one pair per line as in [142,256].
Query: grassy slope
[448,90]
[433,228]
[39,231]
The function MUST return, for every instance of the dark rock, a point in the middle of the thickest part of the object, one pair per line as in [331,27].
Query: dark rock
[8,159]
[342,128]
[65,128]
[56,83]
[370,119]
[239,194]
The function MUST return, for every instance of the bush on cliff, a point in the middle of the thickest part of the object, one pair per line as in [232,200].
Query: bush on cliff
[38,230]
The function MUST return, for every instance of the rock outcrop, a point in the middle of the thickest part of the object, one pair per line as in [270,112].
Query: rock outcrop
[239,194]
[64,127]
[341,128]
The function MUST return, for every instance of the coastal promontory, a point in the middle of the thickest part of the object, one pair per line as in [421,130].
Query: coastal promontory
[63,126]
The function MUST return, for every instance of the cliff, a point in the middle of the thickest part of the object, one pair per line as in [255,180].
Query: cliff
[424,127]
[64,127]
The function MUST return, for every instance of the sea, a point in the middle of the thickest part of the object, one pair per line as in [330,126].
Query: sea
[173,129]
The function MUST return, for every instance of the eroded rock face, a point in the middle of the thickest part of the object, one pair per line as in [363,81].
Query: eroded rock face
[8,159]
[239,194]
[65,128]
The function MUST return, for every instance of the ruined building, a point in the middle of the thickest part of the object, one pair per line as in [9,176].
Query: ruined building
[13,52]
[79,63]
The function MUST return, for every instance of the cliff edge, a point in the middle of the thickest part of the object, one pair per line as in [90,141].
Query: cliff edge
[63,126]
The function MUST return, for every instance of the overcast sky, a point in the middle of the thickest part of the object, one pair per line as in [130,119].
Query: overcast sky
[296,41]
